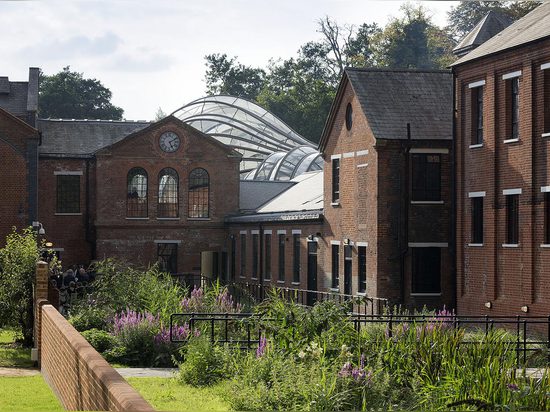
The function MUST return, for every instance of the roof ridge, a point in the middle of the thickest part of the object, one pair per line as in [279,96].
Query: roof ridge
[395,70]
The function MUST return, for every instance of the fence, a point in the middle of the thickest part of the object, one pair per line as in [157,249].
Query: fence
[244,330]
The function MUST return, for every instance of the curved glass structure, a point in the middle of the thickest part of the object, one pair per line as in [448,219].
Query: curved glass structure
[271,150]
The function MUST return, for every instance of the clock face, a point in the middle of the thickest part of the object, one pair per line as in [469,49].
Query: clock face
[169,142]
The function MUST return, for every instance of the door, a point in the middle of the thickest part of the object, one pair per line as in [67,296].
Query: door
[311,272]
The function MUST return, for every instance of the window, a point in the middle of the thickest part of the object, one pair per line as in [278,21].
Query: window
[362,267]
[168,193]
[282,257]
[335,266]
[255,255]
[477,115]
[426,270]
[296,258]
[199,188]
[512,219]
[335,180]
[547,100]
[243,255]
[348,262]
[267,256]
[167,254]
[477,220]
[68,194]
[426,177]
[136,204]
[233,256]
[547,218]
[349,116]
[513,115]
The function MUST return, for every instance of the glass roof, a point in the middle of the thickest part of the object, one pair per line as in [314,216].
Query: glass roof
[271,150]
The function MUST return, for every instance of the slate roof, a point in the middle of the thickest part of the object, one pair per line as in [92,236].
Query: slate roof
[19,98]
[533,26]
[254,193]
[392,98]
[492,24]
[82,137]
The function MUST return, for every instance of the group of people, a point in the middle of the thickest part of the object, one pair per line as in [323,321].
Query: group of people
[70,285]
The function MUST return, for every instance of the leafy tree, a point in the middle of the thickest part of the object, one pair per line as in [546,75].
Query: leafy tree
[464,17]
[69,95]
[159,115]
[412,41]
[17,267]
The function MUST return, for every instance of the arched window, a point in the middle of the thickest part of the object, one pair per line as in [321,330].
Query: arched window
[168,193]
[199,187]
[136,203]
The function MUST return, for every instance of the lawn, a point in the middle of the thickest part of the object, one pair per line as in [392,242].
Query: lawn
[11,354]
[170,395]
[28,393]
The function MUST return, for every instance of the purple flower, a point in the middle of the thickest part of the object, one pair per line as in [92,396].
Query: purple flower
[261,347]
[512,387]
[358,373]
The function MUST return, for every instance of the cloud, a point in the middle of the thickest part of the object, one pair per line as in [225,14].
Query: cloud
[72,47]
[144,61]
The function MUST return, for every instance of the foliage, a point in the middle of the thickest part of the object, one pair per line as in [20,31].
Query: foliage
[69,95]
[17,268]
[12,355]
[204,363]
[89,317]
[99,339]
[464,17]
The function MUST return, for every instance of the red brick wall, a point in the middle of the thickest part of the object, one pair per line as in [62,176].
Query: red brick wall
[119,236]
[14,135]
[508,278]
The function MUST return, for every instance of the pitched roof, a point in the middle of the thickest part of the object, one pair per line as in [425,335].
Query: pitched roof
[19,98]
[492,24]
[254,193]
[391,99]
[532,27]
[83,137]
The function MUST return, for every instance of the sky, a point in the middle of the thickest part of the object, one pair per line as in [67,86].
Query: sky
[150,54]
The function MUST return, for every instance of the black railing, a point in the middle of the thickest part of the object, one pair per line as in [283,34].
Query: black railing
[244,330]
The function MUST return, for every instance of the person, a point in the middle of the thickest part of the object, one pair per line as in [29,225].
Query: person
[68,277]
[83,275]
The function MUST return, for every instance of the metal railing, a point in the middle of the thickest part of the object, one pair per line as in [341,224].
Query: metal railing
[244,330]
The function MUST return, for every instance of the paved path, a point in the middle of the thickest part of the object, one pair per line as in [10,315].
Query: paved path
[14,372]
[147,372]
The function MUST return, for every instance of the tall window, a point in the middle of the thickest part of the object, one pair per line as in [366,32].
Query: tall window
[547,100]
[296,258]
[282,256]
[477,115]
[136,204]
[68,194]
[233,257]
[426,177]
[243,255]
[168,193]
[335,180]
[547,218]
[255,260]
[426,270]
[362,267]
[267,245]
[167,254]
[477,220]
[335,266]
[199,188]
[512,219]
[514,107]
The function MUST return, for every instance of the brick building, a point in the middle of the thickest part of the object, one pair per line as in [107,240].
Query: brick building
[19,152]
[502,92]
[387,146]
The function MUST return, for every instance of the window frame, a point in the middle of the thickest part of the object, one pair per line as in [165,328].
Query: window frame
[267,260]
[477,220]
[296,252]
[420,284]
[512,219]
[67,200]
[172,258]
[335,266]
[362,269]
[477,115]
[335,183]
[196,198]
[546,99]
[173,211]
[242,256]
[546,203]
[281,240]
[255,255]
[423,176]
[141,209]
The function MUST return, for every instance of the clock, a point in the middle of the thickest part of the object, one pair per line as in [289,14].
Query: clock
[169,142]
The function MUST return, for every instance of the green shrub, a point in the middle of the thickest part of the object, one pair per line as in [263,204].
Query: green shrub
[204,363]
[99,339]
[89,317]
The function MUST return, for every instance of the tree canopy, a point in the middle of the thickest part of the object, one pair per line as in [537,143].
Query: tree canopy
[69,95]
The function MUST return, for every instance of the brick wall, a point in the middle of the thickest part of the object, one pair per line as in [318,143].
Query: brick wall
[506,277]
